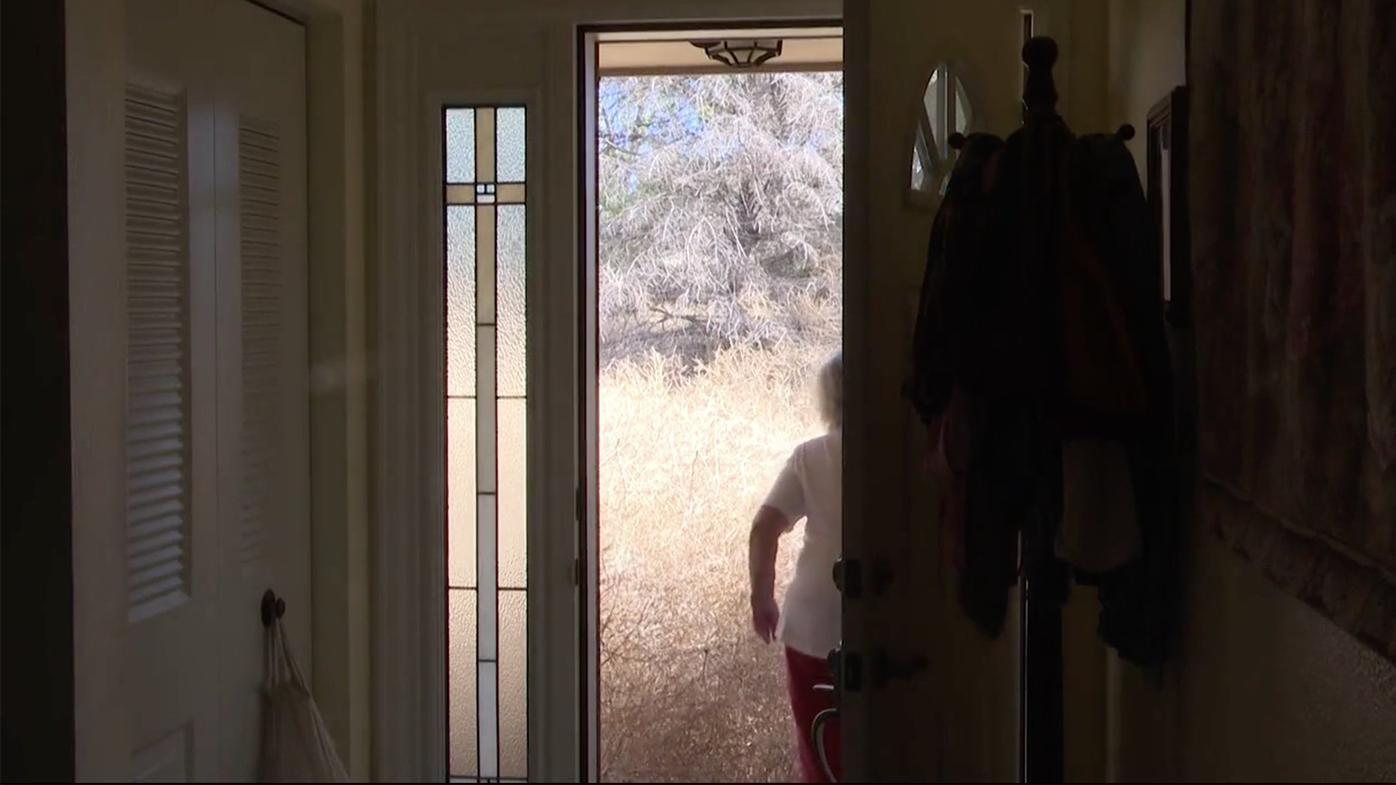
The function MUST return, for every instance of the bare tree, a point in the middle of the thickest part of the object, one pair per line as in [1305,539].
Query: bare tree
[721,204]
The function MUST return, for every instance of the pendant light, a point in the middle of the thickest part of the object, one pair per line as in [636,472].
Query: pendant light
[741,53]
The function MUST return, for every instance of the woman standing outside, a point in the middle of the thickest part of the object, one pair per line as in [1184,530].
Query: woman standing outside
[809,487]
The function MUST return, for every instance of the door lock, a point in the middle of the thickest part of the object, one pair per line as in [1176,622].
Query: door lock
[847,668]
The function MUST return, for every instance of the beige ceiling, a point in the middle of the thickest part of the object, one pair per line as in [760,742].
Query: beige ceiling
[670,52]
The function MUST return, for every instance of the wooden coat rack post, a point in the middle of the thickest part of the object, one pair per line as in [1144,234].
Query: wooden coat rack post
[1045,580]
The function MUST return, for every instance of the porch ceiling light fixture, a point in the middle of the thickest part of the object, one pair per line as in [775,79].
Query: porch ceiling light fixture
[742,53]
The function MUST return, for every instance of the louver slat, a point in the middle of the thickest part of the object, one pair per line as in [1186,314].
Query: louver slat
[157,345]
[259,185]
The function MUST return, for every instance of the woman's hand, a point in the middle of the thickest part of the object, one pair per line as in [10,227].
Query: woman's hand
[766,530]
[765,616]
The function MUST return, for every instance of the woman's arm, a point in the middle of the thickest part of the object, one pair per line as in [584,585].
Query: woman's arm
[763,545]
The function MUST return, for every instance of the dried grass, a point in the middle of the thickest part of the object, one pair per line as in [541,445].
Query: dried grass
[688,692]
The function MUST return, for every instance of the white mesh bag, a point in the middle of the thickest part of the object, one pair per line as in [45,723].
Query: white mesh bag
[296,745]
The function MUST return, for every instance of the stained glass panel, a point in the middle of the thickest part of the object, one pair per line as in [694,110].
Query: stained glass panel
[486,413]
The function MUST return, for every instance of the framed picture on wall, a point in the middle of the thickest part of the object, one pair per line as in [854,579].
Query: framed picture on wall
[1168,201]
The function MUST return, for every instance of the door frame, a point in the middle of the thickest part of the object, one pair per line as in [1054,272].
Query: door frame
[585,165]
[422,52]
[95,31]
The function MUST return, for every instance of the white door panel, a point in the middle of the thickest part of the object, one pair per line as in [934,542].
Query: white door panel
[264,511]
[217,408]
[172,537]
[957,719]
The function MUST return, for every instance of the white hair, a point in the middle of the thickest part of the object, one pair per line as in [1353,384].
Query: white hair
[830,390]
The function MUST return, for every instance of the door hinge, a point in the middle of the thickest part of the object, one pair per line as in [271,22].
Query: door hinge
[576,572]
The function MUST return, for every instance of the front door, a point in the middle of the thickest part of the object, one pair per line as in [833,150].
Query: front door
[916,71]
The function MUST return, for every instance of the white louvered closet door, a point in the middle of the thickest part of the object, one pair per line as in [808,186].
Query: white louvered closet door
[217,427]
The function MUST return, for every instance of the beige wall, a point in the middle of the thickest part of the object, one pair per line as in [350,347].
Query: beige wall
[1264,688]
[1145,59]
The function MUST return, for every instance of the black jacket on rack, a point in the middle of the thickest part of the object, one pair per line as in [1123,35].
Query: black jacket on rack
[1040,322]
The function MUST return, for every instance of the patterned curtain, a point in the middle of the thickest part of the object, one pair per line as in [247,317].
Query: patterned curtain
[1293,206]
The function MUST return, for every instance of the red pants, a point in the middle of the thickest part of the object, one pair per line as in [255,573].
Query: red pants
[805,702]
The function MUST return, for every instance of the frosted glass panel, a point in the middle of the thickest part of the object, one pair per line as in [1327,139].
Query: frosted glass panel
[919,165]
[509,138]
[488,707]
[464,735]
[513,684]
[460,489]
[513,493]
[961,108]
[460,300]
[460,145]
[931,98]
[510,299]
[489,624]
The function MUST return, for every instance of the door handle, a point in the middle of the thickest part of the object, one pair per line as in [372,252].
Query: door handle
[847,673]
[847,670]
[821,753]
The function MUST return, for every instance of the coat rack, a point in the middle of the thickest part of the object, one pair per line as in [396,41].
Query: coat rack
[1011,323]
[1046,580]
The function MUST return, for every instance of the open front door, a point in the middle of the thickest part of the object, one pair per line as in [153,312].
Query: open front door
[924,697]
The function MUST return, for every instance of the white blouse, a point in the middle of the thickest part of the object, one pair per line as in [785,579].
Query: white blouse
[811,487]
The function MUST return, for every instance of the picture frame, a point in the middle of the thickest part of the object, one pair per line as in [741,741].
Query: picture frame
[1167,192]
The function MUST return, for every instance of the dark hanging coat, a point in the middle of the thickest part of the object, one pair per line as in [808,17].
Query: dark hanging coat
[1040,321]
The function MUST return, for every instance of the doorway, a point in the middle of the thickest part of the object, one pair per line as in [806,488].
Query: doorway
[714,296]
